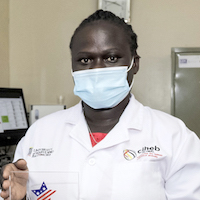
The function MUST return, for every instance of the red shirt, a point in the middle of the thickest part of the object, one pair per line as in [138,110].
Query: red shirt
[98,137]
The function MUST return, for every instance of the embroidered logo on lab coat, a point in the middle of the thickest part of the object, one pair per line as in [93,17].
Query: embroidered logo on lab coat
[152,152]
[129,154]
[40,152]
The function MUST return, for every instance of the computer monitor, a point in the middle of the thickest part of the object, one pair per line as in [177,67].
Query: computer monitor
[13,116]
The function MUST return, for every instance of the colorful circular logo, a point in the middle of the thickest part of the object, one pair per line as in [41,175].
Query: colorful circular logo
[129,154]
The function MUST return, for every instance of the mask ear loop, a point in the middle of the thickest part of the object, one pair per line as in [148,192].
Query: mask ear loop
[131,65]
[131,84]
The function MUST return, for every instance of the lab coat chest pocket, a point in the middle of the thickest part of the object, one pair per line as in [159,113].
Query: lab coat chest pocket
[137,180]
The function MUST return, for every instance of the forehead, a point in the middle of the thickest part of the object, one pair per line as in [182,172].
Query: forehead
[100,34]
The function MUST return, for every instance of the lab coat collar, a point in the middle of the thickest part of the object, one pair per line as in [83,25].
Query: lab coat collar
[132,118]
[133,114]
[79,130]
[75,114]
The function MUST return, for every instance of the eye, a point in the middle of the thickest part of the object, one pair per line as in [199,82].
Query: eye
[85,60]
[112,59]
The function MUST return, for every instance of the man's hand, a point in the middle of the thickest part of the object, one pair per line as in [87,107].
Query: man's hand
[19,176]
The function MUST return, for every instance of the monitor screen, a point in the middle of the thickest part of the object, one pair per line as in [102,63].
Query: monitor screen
[13,116]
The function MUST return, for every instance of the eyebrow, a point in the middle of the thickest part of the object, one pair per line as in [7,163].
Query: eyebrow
[104,51]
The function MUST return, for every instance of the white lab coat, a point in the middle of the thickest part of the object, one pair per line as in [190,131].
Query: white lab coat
[148,155]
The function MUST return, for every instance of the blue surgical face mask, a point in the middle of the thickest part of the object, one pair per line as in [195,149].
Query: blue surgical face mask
[102,87]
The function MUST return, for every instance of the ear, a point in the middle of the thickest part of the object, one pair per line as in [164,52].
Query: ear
[136,63]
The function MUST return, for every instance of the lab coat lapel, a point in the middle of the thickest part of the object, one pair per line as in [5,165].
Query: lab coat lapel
[131,119]
[79,130]
[116,136]
[131,122]
[80,134]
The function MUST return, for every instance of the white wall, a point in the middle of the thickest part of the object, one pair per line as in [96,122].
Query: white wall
[4,43]
[40,32]
[161,25]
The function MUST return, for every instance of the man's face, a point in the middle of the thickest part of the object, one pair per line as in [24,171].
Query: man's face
[101,44]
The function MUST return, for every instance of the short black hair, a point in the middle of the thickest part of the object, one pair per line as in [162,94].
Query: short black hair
[112,18]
